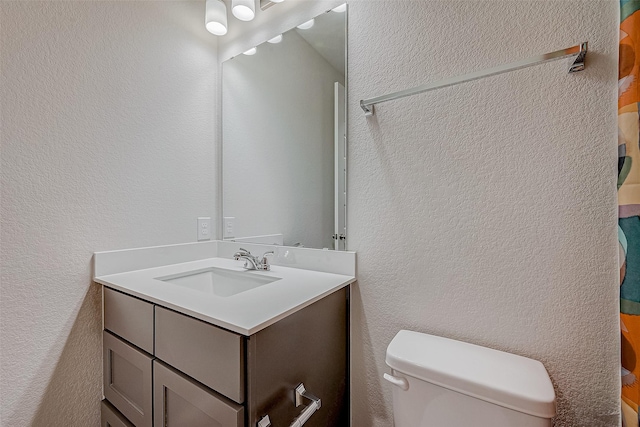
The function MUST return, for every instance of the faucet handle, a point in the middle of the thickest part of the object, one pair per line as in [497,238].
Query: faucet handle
[241,252]
[265,260]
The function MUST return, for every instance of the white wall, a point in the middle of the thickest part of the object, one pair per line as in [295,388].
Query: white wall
[278,150]
[486,212]
[107,142]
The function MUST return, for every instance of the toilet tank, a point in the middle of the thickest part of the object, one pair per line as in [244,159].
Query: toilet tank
[440,382]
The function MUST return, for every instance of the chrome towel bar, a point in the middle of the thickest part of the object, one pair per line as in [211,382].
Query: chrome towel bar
[301,395]
[579,51]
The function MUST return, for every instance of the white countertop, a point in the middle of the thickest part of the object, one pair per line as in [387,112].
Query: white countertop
[244,313]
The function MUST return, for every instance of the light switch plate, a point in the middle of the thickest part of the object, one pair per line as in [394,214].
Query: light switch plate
[204,228]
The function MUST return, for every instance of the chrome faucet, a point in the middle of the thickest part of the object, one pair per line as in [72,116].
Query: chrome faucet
[252,262]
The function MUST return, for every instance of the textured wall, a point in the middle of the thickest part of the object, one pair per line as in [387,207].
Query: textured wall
[278,150]
[487,211]
[107,142]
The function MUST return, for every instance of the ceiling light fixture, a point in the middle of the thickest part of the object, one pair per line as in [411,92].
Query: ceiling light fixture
[216,17]
[251,51]
[307,25]
[276,39]
[244,10]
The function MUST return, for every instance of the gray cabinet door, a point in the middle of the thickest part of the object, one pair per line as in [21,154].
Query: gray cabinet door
[211,355]
[129,318]
[127,380]
[180,402]
[111,417]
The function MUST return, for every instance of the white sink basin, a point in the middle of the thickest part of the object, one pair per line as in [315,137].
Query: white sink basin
[219,281]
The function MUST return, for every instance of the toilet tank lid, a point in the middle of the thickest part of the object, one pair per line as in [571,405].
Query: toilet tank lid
[505,379]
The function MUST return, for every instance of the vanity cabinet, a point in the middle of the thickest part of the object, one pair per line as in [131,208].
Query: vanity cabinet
[192,373]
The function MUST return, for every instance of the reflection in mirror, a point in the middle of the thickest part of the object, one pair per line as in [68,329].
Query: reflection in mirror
[284,143]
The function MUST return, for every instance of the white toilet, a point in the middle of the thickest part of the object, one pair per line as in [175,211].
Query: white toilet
[439,382]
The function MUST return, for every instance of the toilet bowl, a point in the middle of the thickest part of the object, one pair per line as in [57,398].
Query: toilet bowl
[440,382]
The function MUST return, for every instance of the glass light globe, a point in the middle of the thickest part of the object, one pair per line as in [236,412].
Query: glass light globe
[244,10]
[215,19]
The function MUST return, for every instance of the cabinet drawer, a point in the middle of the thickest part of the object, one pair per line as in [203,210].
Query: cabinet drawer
[211,355]
[111,417]
[129,318]
[180,402]
[127,380]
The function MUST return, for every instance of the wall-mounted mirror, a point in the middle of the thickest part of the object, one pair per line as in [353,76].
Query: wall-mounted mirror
[284,138]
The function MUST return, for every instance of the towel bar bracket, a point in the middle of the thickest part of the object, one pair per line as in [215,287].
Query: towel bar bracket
[578,64]
[368,109]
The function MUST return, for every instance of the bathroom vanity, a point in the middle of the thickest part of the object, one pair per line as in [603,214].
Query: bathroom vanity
[207,343]
[190,337]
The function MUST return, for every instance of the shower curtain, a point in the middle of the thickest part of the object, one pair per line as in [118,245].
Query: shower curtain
[629,206]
